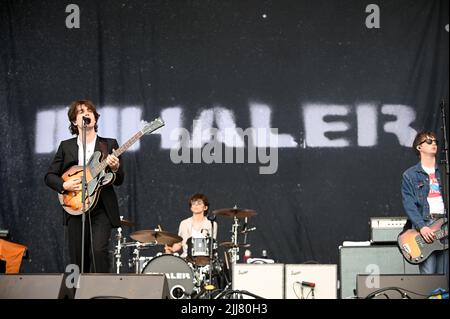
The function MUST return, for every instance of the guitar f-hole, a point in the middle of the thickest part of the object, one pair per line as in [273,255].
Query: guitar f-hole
[74,173]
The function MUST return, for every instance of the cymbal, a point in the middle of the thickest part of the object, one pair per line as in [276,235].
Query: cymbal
[230,244]
[235,212]
[158,236]
[126,222]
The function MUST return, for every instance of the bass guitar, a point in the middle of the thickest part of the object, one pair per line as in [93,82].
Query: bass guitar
[415,249]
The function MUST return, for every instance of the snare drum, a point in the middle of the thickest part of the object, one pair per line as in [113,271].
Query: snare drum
[199,250]
[180,276]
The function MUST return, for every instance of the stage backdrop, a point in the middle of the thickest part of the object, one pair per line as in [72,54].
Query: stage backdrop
[347,84]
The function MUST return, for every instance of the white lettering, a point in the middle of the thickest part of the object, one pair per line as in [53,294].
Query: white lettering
[316,127]
[260,116]
[322,128]
[366,117]
[402,126]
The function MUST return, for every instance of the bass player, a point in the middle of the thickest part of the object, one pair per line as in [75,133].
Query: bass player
[422,195]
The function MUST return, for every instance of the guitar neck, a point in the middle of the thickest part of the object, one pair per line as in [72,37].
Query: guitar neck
[102,165]
[441,233]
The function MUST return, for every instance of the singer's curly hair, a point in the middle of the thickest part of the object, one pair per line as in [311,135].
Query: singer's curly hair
[201,197]
[73,111]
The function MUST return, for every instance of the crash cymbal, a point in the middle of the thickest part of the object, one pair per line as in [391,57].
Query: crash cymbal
[158,236]
[230,244]
[126,222]
[234,212]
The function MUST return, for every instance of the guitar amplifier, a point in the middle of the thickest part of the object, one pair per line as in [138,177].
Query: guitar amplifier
[264,280]
[398,286]
[386,229]
[376,259]
[299,277]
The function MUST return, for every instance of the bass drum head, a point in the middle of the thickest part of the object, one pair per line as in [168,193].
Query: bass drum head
[180,276]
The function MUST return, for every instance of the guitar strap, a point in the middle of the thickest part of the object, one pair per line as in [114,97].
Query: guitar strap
[444,181]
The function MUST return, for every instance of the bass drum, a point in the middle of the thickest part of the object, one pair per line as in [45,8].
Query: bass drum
[180,276]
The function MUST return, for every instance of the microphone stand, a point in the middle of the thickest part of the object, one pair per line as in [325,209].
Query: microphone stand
[83,195]
[445,161]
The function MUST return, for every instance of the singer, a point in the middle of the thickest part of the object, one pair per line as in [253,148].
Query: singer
[105,215]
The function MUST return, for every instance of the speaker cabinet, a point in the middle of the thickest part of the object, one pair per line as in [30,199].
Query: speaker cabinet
[264,280]
[416,286]
[125,286]
[34,286]
[324,277]
[370,260]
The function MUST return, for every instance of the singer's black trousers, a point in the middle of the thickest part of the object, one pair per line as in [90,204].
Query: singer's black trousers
[96,258]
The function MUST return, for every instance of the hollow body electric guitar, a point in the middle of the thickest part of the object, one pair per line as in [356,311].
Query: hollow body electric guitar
[96,175]
[415,249]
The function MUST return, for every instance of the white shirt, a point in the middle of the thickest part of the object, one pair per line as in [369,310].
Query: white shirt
[434,197]
[89,150]
[186,230]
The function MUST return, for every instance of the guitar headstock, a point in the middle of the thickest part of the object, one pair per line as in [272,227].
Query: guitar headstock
[152,126]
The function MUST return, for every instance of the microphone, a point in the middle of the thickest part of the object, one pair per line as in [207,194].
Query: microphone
[308,284]
[86,120]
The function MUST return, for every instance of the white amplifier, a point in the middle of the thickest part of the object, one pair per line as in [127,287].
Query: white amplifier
[386,229]
[264,280]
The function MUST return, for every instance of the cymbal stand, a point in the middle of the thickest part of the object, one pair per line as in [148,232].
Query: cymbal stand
[136,257]
[209,287]
[233,254]
[117,251]
[234,251]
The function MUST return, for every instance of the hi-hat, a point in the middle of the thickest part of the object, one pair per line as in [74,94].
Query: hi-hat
[234,212]
[126,222]
[157,236]
[230,244]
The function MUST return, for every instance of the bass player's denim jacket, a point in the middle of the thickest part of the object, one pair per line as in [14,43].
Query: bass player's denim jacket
[415,189]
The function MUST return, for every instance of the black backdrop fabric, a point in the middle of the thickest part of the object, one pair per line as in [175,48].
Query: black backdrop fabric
[347,98]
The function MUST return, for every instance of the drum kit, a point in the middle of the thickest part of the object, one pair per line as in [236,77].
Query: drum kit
[202,271]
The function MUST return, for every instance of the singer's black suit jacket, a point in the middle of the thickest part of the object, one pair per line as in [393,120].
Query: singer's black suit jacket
[67,156]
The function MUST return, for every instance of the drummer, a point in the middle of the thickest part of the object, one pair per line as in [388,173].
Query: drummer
[196,226]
